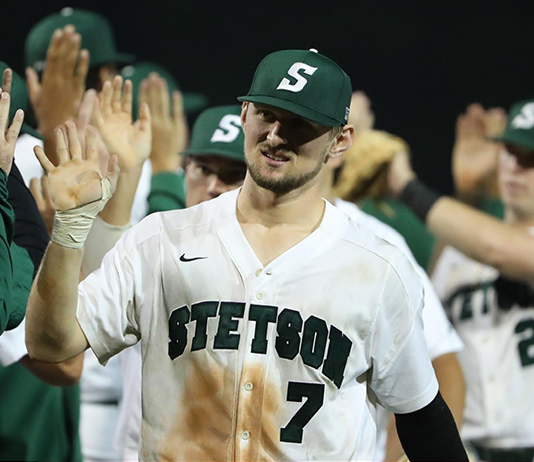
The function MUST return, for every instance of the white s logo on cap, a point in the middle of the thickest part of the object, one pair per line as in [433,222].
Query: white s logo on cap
[525,119]
[228,130]
[301,82]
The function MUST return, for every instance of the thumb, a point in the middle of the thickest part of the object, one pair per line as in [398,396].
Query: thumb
[113,172]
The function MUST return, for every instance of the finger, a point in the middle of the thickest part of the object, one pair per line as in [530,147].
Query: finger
[71,52]
[116,96]
[127,98]
[163,96]
[7,80]
[86,109]
[35,189]
[43,159]
[61,145]
[97,118]
[178,106]
[53,52]
[83,66]
[155,95]
[75,148]
[143,92]
[91,152]
[32,81]
[144,118]
[4,112]
[113,172]
[13,132]
[105,98]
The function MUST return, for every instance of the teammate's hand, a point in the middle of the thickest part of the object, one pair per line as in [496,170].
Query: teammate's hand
[169,126]
[77,179]
[474,156]
[360,114]
[58,96]
[8,136]
[41,193]
[129,141]
[400,173]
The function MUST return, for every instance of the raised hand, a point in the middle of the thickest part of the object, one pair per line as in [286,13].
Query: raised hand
[77,179]
[129,141]
[8,136]
[474,157]
[170,132]
[361,115]
[57,97]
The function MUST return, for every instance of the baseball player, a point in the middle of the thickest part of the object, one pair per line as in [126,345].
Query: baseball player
[485,282]
[213,164]
[271,322]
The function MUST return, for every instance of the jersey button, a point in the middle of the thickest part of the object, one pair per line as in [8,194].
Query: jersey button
[249,386]
[258,272]
[245,435]
[260,295]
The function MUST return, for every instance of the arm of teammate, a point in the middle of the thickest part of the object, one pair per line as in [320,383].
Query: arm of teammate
[474,233]
[52,330]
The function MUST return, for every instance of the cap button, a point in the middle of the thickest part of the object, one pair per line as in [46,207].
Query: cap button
[67,11]
[314,50]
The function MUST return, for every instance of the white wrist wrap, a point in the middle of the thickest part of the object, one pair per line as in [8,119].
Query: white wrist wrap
[71,227]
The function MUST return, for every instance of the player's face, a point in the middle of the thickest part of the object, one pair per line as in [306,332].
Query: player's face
[206,177]
[516,180]
[283,151]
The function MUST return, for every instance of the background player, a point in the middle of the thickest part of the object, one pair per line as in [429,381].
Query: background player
[258,250]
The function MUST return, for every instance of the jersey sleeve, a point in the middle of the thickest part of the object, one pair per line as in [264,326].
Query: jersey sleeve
[7,219]
[110,299]
[402,375]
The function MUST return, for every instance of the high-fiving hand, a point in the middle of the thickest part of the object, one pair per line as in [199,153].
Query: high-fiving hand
[77,179]
[8,134]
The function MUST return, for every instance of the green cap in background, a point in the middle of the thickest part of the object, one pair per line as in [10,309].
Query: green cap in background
[520,128]
[217,131]
[19,99]
[193,102]
[305,83]
[96,32]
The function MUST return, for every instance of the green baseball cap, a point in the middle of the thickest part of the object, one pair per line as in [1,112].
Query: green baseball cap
[305,83]
[520,127]
[19,99]
[96,32]
[218,132]
[193,102]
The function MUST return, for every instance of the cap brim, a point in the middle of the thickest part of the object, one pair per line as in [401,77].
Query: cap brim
[511,138]
[214,152]
[194,102]
[118,58]
[295,108]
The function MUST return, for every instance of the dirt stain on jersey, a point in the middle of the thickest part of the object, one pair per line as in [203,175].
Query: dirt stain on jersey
[216,409]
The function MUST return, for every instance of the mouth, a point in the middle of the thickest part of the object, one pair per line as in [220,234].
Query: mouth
[275,158]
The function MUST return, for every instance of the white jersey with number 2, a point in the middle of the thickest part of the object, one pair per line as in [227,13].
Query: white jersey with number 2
[245,362]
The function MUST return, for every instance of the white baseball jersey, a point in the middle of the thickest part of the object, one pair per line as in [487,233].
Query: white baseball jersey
[498,358]
[244,362]
[440,336]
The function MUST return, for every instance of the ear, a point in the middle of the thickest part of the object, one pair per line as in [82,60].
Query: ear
[342,143]
[244,108]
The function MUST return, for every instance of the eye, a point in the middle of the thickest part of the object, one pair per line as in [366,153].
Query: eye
[206,170]
[267,115]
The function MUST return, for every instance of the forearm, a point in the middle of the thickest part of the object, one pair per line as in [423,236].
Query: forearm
[430,434]
[451,384]
[52,330]
[119,208]
[62,374]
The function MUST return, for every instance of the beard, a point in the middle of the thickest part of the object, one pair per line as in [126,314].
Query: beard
[289,182]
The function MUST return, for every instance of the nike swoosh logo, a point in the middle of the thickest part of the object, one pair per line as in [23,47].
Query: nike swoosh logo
[182,258]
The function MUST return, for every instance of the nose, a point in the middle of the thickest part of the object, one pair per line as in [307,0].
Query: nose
[215,186]
[510,161]
[275,135]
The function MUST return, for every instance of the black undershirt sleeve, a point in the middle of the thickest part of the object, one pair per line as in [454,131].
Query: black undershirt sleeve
[430,434]
[30,230]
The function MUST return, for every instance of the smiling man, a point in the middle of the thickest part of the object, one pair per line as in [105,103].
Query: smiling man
[286,322]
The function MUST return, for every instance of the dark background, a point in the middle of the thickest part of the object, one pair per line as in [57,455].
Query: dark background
[420,62]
